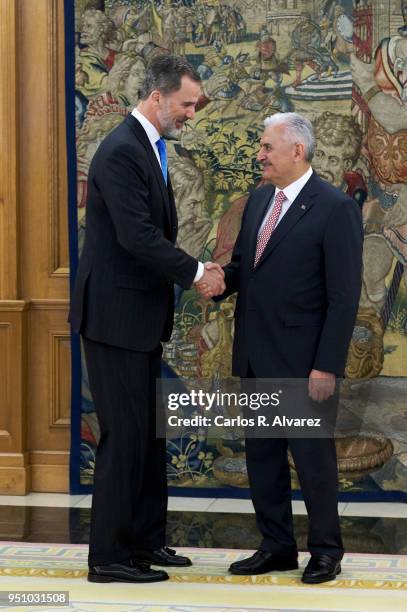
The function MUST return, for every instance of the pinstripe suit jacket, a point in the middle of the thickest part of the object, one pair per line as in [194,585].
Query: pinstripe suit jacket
[123,294]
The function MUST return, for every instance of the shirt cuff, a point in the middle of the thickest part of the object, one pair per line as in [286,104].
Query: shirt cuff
[199,272]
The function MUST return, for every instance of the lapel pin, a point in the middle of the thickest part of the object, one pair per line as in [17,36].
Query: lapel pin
[303,206]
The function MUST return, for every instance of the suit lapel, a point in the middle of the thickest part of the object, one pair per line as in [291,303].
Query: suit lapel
[301,205]
[142,137]
[173,212]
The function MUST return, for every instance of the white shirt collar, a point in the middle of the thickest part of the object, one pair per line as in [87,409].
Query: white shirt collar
[292,190]
[151,131]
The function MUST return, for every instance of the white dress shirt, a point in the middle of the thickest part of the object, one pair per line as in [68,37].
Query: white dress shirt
[153,135]
[290,192]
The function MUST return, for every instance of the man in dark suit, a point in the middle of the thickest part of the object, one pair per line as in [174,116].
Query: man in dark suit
[297,268]
[123,306]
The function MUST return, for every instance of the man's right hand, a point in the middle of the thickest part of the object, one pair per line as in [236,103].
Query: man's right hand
[212,282]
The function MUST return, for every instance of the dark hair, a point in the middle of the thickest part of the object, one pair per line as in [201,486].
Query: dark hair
[165,73]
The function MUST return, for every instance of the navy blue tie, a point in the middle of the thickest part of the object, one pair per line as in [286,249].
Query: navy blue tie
[162,150]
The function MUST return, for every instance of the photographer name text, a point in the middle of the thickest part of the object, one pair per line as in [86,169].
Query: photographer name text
[239,421]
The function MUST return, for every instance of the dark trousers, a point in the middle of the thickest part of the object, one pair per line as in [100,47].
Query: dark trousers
[270,485]
[130,489]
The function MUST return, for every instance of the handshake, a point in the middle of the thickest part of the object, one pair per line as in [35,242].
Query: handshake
[212,282]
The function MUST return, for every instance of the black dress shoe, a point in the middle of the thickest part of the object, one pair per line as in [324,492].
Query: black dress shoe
[262,562]
[162,556]
[128,571]
[321,568]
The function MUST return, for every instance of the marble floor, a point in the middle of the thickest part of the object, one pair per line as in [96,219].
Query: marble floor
[201,522]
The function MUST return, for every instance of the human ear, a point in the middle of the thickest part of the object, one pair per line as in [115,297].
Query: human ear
[299,151]
[155,96]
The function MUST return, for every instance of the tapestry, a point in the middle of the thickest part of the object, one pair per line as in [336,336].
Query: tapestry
[343,64]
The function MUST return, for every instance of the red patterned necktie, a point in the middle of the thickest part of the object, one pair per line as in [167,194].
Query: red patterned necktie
[268,229]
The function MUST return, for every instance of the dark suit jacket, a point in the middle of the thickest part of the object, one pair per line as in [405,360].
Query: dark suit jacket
[296,310]
[124,291]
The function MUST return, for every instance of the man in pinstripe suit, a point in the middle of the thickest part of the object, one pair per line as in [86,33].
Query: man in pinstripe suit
[123,306]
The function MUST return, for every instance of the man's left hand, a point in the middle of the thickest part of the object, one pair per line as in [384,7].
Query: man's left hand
[321,385]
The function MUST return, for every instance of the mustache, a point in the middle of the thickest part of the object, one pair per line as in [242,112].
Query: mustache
[326,175]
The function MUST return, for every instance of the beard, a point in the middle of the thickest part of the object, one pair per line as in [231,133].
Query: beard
[172,132]
[168,125]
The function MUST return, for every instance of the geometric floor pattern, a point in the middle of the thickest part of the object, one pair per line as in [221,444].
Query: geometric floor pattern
[368,583]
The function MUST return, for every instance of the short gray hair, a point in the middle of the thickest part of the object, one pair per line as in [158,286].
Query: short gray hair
[299,129]
[165,73]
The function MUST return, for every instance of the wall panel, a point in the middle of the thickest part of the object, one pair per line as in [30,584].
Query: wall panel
[14,475]
[34,268]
